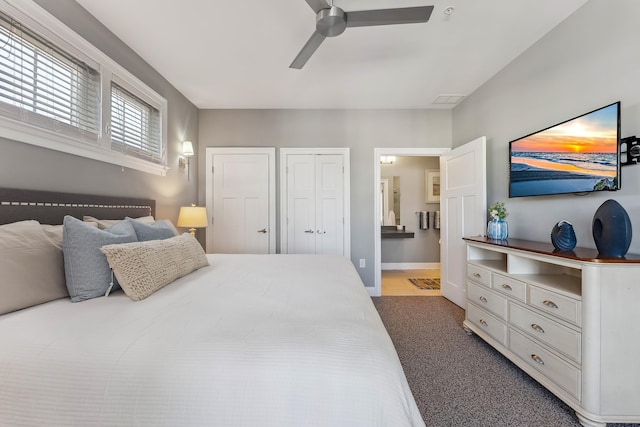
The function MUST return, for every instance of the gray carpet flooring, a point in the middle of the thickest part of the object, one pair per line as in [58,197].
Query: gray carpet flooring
[459,380]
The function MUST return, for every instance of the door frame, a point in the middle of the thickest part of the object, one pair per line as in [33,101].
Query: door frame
[284,152]
[376,291]
[271,155]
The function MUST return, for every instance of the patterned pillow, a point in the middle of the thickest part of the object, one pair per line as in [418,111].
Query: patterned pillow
[86,268]
[144,267]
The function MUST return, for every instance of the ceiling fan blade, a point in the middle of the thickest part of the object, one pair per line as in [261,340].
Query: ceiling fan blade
[318,5]
[307,50]
[405,15]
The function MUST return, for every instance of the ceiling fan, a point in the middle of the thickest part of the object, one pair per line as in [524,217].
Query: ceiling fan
[331,21]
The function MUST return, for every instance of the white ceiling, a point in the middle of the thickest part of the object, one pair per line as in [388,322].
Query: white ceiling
[236,53]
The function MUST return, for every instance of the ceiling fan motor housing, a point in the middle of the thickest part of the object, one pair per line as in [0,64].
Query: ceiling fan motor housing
[331,22]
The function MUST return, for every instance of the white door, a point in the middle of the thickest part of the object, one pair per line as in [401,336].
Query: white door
[241,200]
[329,204]
[301,201]
[463,195]
[314,197]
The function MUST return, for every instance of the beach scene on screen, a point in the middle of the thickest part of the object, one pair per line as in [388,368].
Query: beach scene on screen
[577,156]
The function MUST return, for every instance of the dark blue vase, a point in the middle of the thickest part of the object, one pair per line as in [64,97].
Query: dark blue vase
[563,237]
[612,229]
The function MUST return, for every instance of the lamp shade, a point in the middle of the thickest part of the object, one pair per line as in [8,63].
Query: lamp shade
[187,149]
[192,217]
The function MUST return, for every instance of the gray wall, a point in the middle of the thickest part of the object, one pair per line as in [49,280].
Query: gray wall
[588,61]
[31,167]
[360,130]
[424,247]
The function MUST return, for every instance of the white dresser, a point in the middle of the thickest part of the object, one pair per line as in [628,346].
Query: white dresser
[570,320]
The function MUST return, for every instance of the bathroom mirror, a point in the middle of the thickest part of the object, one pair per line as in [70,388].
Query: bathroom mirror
[390,200]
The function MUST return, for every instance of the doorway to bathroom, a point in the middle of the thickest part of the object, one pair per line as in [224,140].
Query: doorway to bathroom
[407,252]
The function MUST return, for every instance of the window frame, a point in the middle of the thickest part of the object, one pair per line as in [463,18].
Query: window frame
[46,25]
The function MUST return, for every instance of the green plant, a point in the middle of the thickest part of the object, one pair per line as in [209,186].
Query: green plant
[498,211]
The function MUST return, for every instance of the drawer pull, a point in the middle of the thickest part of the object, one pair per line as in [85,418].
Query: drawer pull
[506,287]
[537,359]
[537,328]
[549,303]
[477,275]
[483,299]
[482,322]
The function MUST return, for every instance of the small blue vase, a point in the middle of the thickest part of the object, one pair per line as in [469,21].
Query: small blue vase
[497,229]
[563,237]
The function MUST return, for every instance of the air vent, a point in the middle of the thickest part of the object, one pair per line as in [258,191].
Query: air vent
[449,99]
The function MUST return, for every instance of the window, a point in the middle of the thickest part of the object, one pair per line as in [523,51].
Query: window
[60,92]
[135,126]
[37,77]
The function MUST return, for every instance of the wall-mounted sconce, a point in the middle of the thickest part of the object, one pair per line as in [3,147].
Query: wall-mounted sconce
[387,160]
[187,153]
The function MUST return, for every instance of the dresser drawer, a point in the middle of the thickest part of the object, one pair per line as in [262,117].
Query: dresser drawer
[556,304]
[488,300]
[553,367]
[508,286]
[488,323]
[479,274]
[563,339]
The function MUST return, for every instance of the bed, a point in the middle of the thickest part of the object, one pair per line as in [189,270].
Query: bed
[248,340]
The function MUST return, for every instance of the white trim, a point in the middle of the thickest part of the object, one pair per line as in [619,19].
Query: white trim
[345,152]
[271,153]
[39,20]
[377,152]
[22,132]
[410,265]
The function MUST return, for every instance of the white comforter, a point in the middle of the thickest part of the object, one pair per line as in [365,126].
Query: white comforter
[251,340]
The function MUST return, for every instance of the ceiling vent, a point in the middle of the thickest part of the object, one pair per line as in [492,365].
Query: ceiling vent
[448,99]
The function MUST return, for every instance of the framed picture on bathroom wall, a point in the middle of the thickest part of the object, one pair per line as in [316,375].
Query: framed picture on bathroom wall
[432,186]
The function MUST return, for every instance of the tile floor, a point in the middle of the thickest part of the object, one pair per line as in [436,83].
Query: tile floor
[396,282]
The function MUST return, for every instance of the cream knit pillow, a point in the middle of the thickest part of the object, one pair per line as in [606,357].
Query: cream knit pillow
[144,267]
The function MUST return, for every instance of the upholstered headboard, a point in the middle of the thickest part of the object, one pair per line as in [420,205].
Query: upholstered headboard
[50,207]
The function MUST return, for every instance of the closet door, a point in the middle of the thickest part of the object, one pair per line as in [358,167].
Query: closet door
[329,204]
[240,191]
[301,201]
[315,201]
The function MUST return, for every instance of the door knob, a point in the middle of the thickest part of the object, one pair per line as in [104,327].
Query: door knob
[308,231]
[264,230]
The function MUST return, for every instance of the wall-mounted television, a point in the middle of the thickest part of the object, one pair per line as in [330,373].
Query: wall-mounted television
[578,155]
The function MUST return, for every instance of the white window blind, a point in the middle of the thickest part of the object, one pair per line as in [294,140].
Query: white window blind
[43,85]
[135,126]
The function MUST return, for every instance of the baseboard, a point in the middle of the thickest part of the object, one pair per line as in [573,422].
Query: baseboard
[410,265]
[372,291]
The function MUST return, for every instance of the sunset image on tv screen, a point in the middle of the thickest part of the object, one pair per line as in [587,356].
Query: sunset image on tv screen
[579,155]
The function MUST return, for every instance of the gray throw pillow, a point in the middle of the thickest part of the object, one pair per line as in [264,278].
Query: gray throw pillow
[31,265]
[86,269]
[159,230]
